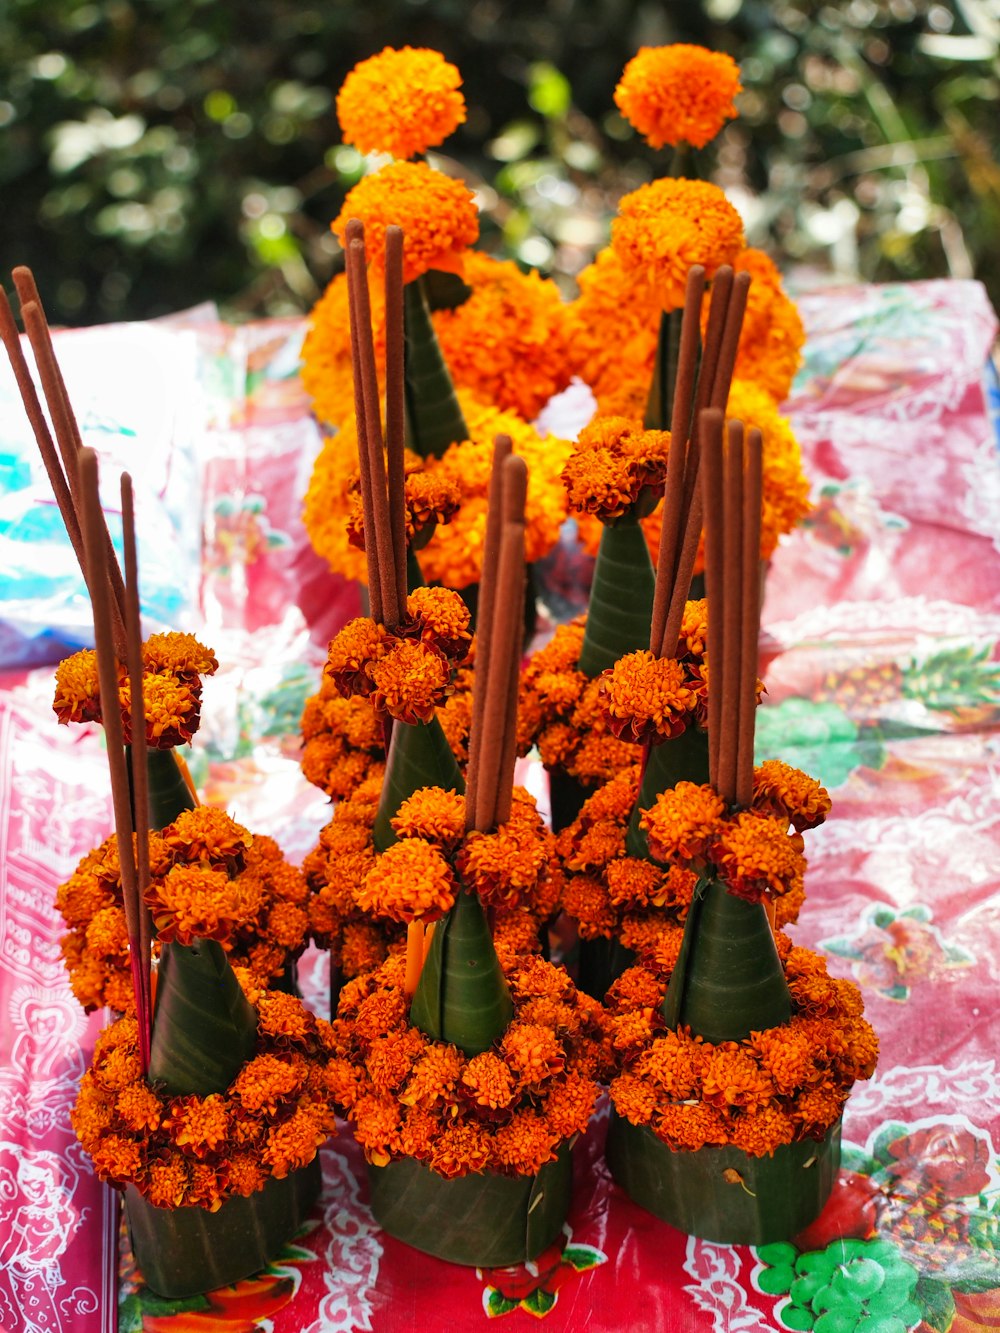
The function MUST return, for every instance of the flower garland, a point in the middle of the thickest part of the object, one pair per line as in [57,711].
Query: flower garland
[359,899]
[678,93]
[400,102]
[209,879]
[588,727]
[409,671]
[173,665]
[757,852]
[776,1087]
[643,904]
[505,1111]
[192,1151]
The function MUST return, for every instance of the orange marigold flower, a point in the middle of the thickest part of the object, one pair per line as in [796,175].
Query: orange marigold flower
[139,1108]
[353,652]
[758,1133]
[585,898]
[172,707]
[440,618]
[430,500]
[755,856]
[694,629]
[683,821]
[676,1062]
[616,460]
[732,1078]
[107,933]
[533,1052]
[209,834]
[646,698]
[636,988]
[505,867]
[265,1082]
[790,1055]
[437,214]
[283,1017]
[678,93]
[459,1149]
[168,1181]
[293,1143]
[779,789]
[666,227]
[245,1176]
[525,1144]
[78,692]
[433,814]
[400,102]
[410,881]
[198,1123]
[191,903]
[818,1108]
[117,1160]
[390,1058]
[435,1075]
[178,654]
[410,681]
[489,1081]
[509,341]
[634,1098]
[686,1128]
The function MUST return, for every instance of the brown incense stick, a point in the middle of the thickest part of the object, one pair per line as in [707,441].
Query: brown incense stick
[732,581]
[750,625]
[730,341]
[140,775]
[355,231]
[395,405]
[514,498]
[484,628]
[40,429]
[93,534]
[672,526]
[710,426]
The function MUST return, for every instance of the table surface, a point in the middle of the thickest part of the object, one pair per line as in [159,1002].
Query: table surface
[881,627]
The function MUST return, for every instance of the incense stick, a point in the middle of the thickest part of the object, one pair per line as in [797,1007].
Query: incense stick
[93,530]
[140,774]
[732,583]
[710,425]
[395,404]
[750,625]
[730,341]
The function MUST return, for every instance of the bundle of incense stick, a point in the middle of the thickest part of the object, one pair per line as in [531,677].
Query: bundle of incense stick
[731,480]
[380,462]
[73,474]
[695,389]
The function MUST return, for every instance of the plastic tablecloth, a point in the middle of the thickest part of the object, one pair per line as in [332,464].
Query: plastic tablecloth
[881,627]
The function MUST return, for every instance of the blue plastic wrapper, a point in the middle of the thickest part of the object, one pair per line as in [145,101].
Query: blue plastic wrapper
[136,390]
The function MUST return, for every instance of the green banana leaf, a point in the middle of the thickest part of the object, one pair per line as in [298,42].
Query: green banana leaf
[462,996]
[601,964]
[419,756]
[721,1194]
[185,1251]
[683,759]
[566,797]
[204,1028]
[481,1219]
[621,598]
[168,792]
[660,403]
[728,980]
[433,416]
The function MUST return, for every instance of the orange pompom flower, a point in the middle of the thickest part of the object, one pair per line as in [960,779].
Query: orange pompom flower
[400,102]
[433,814]
[666,227]
[788,793]
[410,881]
[678,94]
[683,820]
[437,214]
[615,460]
[755,857]
[647,699]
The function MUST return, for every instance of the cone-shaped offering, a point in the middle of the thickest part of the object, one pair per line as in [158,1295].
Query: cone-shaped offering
[727,1113]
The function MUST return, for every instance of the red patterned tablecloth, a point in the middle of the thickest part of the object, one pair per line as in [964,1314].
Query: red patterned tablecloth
[881,626]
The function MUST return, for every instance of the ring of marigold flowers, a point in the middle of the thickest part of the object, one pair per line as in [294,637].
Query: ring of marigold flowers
[777,1086]
[506,1110]
[209,879]
[191,1151]
[611,894]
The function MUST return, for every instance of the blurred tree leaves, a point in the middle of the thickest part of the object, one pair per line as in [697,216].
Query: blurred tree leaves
[158,153]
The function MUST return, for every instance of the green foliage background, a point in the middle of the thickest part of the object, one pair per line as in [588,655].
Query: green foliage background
[158,153]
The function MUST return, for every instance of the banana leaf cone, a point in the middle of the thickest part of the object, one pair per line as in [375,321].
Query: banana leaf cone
[419,756]
[660,402]
[621,597]
[434,417]
[169,795]
[204,1031]
[482,1218]
[720,1193]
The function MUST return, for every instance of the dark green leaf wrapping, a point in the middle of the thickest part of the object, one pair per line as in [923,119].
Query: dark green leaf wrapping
[168,792]
[419,756]
[204,1028]
[434,418]
[480,1219]
[621,598]
[602,961]
[729,981]
[683,759]
[772,1199]
[660,403]
[183,1251]
[462,996]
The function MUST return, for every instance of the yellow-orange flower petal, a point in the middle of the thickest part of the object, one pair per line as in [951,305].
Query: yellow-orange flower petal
[400,102]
